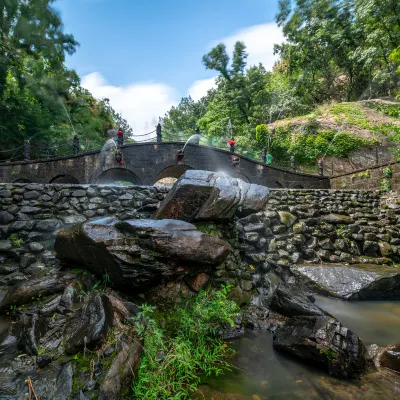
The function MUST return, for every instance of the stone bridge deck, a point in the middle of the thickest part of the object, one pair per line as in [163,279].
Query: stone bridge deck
[147,163]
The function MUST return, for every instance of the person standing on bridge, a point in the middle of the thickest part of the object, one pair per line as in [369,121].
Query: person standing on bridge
[232,143]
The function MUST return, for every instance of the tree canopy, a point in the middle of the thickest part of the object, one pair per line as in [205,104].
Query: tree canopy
[39,96]
[334,50]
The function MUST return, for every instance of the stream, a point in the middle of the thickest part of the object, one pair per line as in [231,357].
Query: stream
[264,374]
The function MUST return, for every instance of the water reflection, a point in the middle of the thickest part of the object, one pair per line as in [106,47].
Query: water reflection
[264,374]
[373,321]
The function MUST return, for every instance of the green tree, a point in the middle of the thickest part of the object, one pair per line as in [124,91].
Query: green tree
[31,28]
[185,116]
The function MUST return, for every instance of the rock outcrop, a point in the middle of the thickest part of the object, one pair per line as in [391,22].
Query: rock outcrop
[390,358]
[140,253]
[322,340]
[89,325]
[205,195]
[355,282]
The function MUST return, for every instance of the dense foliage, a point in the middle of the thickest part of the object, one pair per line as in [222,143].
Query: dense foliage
[334,50]
[37,91]
[184,346]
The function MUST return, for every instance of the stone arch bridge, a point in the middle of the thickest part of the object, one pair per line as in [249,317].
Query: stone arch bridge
[146,163]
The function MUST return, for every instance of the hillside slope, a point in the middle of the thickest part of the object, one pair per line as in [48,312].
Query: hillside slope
[348,136]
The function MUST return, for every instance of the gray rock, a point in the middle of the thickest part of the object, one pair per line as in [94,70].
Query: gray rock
[31,195]
[6,269]
[30,210]
[26,260]
[73,219]
[323,341]
[5,193]
[23,292]
[326,244]
[205,195]
[122,371]
[28,334]
[390,358]
[79,193]
[5,245]
[22,225]
[356,282]
[300,227]
[67,299]
[385,249]
[337,219]
[91,192]
[137,253]
[370,248]
[287,218]
[64,382]
[35,247]
[287,300]
[89,324]
[5,217]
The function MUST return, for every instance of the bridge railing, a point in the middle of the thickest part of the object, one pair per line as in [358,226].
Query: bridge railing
[41,150]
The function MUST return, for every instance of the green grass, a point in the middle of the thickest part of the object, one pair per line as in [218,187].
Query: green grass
[183,348]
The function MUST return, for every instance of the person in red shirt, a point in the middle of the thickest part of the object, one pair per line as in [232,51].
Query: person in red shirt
[232,143]
[120,137]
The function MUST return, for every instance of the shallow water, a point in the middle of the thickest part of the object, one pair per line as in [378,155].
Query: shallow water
[264,374]
[373,321]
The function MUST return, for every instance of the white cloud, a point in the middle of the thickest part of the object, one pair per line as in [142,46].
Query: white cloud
[139,103]
[259,40]
[200,88]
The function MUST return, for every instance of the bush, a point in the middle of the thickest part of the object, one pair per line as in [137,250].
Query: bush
[187,348]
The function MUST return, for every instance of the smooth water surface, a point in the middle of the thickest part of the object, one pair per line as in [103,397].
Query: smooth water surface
[373,321]
[264,374]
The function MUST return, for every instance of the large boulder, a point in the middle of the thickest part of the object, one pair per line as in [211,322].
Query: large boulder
[141,253]
[323,341]
[287,300]
[205,195]
[355,282]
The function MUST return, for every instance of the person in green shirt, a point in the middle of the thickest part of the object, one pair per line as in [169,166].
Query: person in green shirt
[269,159]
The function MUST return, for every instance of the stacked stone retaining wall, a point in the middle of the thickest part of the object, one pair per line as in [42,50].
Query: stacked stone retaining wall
[297,225]
[376,177]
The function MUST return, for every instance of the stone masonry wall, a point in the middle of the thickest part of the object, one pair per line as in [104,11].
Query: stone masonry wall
[312,226]
[30,214]
[368,178]
[296,226]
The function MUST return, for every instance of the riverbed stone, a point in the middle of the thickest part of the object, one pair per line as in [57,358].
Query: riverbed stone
[390,358]
[122,370]
[323,341]
[23,292]
[351,282]
[89,325]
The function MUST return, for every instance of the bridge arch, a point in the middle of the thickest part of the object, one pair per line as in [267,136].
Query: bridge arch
[64,178]
[173,171]
[113,175]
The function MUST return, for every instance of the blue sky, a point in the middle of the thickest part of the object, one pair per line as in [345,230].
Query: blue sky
[145,55]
